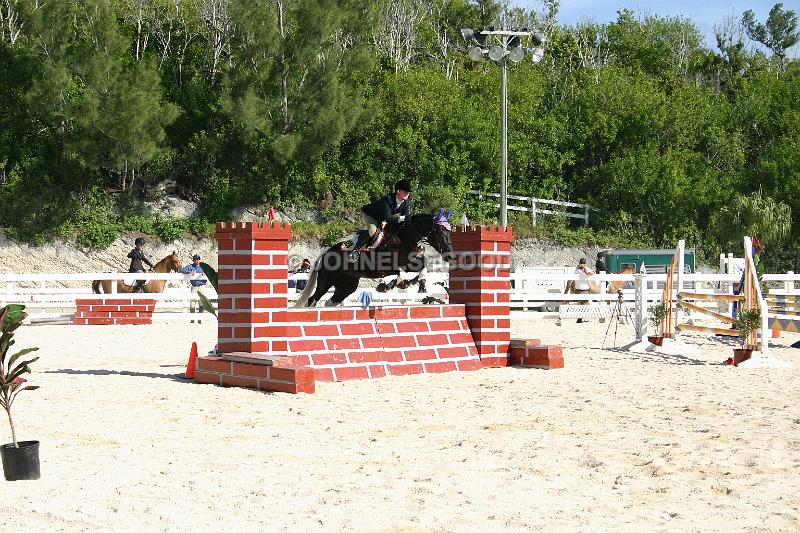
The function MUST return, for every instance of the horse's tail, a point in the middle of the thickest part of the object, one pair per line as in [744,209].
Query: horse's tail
[310,286]
[96,284]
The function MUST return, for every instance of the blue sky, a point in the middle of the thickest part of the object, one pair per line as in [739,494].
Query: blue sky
[704,13]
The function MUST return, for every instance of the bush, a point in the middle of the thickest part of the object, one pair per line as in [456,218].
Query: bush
[336,231]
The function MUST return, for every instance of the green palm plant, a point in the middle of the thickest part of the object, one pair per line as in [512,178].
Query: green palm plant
[756,215]
[12,367]
[213,278]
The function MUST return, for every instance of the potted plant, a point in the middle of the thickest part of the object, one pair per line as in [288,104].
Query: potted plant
[747,321]
[213,278]
[20,459]
[657,312]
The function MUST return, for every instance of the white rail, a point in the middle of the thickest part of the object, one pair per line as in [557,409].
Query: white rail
[531,288]
[532,206]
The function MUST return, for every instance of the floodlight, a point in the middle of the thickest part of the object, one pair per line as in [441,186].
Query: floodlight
[538,38]
[537,54]
[496,53]
[516,54]
[467,34]
[475,53]
[513,42]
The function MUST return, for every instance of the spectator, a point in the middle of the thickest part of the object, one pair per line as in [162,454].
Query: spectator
[582,284]
[305,267]
[600,264]
[197,285]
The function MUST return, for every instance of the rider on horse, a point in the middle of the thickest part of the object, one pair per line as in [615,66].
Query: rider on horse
[385,215]
[137,258]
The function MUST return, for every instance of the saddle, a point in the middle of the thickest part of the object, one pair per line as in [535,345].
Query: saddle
[379,240]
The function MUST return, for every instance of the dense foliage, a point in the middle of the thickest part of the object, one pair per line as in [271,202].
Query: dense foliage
[323,104]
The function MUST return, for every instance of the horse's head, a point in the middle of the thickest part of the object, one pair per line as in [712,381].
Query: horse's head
[174,264]
[439,236]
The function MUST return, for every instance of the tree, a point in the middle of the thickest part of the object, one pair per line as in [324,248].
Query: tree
[756,215]
[778,34]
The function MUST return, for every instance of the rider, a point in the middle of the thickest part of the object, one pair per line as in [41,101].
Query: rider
[137,258]
[390,210]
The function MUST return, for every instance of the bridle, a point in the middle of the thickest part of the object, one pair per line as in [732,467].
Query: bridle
[427,238]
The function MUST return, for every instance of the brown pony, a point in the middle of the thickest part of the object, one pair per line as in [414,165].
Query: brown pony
[594,288]
[168,264]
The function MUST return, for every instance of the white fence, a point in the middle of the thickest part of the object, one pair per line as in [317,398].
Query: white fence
[532,288]
[532,206]
[54,295]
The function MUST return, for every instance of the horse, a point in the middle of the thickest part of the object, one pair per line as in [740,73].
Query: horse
[333,269]
[594,288]
[168,264]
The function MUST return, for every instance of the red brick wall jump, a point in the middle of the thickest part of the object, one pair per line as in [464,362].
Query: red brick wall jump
[336,344]
[480,280]
[113,310]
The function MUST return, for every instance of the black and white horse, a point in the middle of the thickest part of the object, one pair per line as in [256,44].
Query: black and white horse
[333,269]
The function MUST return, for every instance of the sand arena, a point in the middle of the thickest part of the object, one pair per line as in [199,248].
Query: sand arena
[615,440]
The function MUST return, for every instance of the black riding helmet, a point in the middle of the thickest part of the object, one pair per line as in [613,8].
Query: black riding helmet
[403,185]
[139,240]
[195,256]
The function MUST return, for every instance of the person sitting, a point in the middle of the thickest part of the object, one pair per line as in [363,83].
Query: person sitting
[305,267]
[137,258]
[197,285]
[384,215]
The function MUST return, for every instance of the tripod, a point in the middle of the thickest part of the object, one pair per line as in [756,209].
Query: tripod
[621,314]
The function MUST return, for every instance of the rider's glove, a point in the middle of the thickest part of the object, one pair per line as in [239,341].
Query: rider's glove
[401,218]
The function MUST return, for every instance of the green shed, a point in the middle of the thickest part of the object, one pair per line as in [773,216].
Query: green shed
[655,261]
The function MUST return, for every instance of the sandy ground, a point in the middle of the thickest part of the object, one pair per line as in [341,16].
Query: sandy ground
[614,441]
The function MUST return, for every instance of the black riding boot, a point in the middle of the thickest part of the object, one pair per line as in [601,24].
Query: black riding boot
[422,287]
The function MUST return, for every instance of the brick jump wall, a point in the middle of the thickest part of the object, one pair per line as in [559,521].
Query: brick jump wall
[480,279]
[113,310]
[259,338]
[344,344]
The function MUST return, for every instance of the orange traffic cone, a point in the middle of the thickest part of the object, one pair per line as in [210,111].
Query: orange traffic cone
[192,359]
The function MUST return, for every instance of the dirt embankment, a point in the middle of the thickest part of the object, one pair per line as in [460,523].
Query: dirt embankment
[65,258]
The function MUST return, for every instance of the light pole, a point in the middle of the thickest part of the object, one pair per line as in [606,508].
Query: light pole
[507,45]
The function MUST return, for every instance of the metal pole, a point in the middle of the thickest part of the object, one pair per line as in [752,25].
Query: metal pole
[504,149]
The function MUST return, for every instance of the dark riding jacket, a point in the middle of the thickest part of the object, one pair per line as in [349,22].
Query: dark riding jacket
[385,209]
[137,257]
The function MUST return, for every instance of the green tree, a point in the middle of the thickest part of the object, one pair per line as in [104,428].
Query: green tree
[778,34]
[755,215]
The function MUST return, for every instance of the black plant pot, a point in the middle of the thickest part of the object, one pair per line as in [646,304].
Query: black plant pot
[21,463]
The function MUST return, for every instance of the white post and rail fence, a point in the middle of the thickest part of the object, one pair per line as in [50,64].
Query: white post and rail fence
[533,206]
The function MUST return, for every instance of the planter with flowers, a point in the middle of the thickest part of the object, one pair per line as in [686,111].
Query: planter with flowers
[657,312]
[20,458]
[747,321]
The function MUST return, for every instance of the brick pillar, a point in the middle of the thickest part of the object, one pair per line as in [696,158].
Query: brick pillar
[480,280]
[253,278]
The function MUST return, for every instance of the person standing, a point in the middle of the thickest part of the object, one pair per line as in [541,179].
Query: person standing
[600,264]
[582,284]
[197,284]
[137,259]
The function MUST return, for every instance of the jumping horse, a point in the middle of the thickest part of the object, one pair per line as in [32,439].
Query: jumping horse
[333,269]
[168,264]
